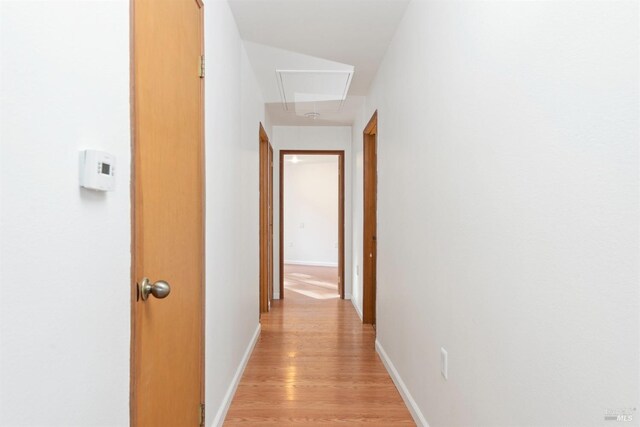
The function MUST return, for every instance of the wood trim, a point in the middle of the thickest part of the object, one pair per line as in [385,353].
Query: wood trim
[341,208]
[369,233]
[341,249]
[281,225]
[203,242]
[312,152]
[262,133]
[264,218]
[372,127]
[270,224]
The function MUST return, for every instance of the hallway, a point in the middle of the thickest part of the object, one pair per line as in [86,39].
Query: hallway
[488,213]
[315,362]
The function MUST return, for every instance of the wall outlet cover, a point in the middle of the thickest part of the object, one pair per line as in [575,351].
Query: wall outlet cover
[444,363]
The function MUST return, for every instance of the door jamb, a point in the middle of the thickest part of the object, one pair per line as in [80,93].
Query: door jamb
[264,147]
[341,208]
[369,276]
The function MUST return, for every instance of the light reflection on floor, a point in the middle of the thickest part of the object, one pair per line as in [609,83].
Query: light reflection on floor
[311,281]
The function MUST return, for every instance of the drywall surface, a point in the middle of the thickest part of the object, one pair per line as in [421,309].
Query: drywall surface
[311,191]
[357,192]
[233,110]
[508,210]
[311,138]
[65,252]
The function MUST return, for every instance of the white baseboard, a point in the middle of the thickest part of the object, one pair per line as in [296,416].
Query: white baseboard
[313,263]
[231,391]
[355,305]
[402,388]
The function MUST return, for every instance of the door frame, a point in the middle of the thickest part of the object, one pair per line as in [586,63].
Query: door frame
[341,208]
[369,220]
[134,188]
[270,219]
[266,219]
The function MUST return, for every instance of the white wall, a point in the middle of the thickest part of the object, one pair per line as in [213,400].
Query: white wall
[233,110]
[357,183]
[311,138]
[65,252]
[311,211]
[508,209]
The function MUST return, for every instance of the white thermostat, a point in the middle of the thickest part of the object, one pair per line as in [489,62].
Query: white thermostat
[97,170]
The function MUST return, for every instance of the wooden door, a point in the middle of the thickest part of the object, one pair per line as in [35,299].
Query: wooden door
[370,247]
[265,220]
[167,385]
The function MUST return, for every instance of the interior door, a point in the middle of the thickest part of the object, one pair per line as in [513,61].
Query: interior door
[370,244]
[167,330]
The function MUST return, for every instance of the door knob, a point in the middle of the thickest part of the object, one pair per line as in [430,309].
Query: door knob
[159,289]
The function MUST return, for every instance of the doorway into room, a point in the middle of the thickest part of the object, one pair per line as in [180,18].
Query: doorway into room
[312,224]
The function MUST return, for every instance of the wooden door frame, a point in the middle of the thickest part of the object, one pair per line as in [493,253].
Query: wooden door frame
[369,222]
[266,181]
[270,223]
[341,181]
[133,188]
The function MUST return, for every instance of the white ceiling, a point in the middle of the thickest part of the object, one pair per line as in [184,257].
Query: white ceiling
[344,117]
[300,90]
[265,60]
[316,35]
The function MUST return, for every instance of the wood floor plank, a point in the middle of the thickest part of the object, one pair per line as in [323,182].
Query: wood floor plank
[315,363]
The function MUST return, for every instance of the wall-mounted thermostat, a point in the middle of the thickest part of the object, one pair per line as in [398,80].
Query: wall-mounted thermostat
[97,170]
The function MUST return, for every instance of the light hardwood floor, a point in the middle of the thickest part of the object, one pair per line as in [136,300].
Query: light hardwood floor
[312,281]
[315,363]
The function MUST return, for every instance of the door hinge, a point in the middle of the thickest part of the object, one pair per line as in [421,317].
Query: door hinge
[202,415]
[201,66]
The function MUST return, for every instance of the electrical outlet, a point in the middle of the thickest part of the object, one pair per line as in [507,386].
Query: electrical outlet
[444,363]
[357,270]
[302,225]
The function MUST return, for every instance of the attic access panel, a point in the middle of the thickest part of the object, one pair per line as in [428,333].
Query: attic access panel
[304,91]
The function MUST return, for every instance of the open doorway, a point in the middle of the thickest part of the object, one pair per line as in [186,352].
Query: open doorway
[312,223]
